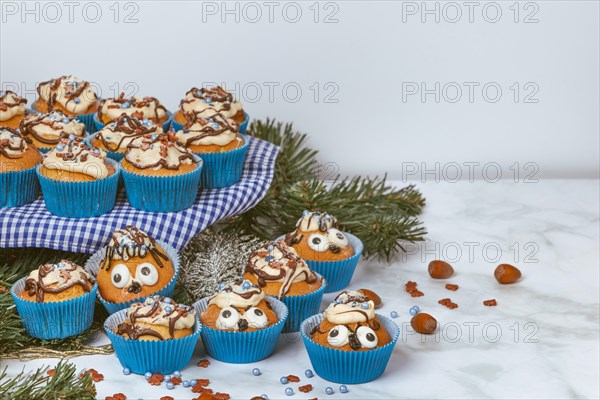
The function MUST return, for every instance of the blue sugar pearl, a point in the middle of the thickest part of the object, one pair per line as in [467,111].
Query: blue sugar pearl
[289,391]
[148,375]
[153,137]
[168,309]
[77,101]
[328,217]
[71,137]
[246,285]
[126,371]
[268,258]
[364,306]
[65,120]
[270,248]
[309,373]
[60,147]
[338,301]
[167,300]
[208,100]
[264,396]
[256,372]
[215,126]
[283,380]
[329,390]
[170,385]
[414,310]
[143,247]
[177,374]
[193,382]
[343,389]
[221,286]
[167,378]
[394,314]
[125,105]
[185,384]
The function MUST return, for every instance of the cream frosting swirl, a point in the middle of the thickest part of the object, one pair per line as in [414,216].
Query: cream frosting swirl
[350,307]
[278,262]
[73,94]
[208,127]
[137,106]
[158,310]
[56,278]
[316,221]
[12,144]
[49,127]
[131,242]
[238,293]
[71,154]
[216,98]
[119,133]
[11,105]
[158,151]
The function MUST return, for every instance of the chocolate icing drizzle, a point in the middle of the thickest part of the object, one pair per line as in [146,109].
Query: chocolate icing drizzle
[4,106]
[132,127]
[164,140]
[6,146]
[286,267]
[132,102]
[39,289]
[73,90]
[211,126]
[322,218]
[28,124]
[138,238]
[208,95]
[72,148]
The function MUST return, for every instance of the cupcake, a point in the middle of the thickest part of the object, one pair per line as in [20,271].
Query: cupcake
[349,343]
[136,106]
[132,266]
[56,300]
[156,336]
[217,141]
[329,251]
[12,109]
[280,272]
[78,181]
[18,160]
[69,95]
[154,168]
[115,136]
[217,99]
[240,325]
[45,129]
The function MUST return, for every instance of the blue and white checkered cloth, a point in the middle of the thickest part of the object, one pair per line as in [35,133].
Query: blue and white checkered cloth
[33,226]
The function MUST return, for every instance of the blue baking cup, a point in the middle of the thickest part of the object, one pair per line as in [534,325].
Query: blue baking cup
[338,273]
[111,154]
[55,320]
[302,306]
[242,347]
[157,357]
[349,367]
[224,168]
[99,125]
[93,265]
[18,187]
[157,193]
[243,126]
[80,199]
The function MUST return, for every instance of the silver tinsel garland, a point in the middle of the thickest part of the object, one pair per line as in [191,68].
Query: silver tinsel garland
[214,257]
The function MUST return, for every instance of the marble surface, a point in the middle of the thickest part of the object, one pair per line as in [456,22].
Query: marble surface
[541,341]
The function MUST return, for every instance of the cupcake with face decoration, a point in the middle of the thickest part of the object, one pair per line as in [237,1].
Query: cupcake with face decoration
[133,266]
[140,107]
[240,324]
[329,251]
[280,272]
[348,342]
[12,109]
[45,130]
[56,300]
[156,335]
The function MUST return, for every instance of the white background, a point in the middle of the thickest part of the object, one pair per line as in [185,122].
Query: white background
[365,58]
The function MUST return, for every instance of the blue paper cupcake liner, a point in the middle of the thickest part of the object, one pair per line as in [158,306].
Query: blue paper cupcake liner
[99,125]
[55,320]
[157,357]
[242,347]
[349,367]
[223,169]
[18,187]
[114,155]
[80,199]
[93,265]
[243,126]
[86,119]
[302,306]
[157,193]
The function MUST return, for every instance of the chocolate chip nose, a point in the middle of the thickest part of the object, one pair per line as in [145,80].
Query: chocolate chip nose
[242,325]
[135,287]
[334,248]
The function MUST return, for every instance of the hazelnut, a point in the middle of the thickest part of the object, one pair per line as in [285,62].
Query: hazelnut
[506,273]
[423,323]
[439,269]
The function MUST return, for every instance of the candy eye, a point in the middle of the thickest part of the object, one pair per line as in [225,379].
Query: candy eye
[367,337]
[256,318]
[318,242]
[147,274]
[337,237]
[228,318]
[120,276]
[338,336]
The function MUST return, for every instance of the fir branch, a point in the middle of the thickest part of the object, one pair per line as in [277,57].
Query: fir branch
[65,383]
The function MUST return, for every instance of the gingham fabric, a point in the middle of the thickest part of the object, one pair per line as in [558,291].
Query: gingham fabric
[33,226]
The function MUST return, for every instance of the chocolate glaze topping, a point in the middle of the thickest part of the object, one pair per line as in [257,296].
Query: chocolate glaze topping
[208,95]
[18,100]
[73,90]
[211,126]
[130,126]
[6,146]
[139,240]
[38,288]
[28,124]
[133,103]
[165,140]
